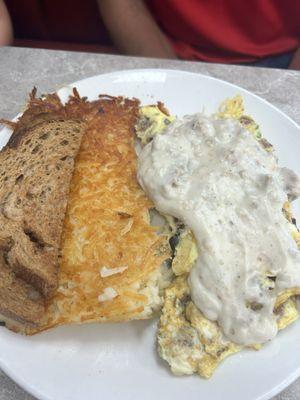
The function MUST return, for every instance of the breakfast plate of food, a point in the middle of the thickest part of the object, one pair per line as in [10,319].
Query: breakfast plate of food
[148,241]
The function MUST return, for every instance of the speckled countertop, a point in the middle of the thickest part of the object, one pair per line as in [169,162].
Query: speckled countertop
[21,69]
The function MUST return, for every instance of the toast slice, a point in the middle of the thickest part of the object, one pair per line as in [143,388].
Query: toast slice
[36,167]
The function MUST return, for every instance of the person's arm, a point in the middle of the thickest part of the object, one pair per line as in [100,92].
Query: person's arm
[295,63]
[133,29]
[6,32]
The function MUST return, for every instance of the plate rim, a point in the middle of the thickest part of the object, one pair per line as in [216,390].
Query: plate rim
[191,73]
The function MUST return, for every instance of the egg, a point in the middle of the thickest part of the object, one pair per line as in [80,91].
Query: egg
[187,340]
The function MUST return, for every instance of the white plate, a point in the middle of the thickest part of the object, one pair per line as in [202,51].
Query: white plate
[117,361]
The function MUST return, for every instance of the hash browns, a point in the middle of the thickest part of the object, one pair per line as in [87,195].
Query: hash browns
[107,226]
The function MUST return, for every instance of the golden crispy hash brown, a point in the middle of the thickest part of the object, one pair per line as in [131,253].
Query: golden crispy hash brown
[111,255]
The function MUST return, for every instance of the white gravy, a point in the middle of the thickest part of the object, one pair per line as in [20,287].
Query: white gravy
[216,178]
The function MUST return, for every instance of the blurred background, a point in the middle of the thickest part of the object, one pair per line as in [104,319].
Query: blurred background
[59,24]
[252,32]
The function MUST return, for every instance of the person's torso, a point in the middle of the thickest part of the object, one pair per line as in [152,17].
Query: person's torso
[229,30]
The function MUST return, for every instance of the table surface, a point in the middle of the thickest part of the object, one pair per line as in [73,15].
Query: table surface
[21,69]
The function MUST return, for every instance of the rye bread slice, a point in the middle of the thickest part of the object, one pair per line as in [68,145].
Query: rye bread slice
[36,167]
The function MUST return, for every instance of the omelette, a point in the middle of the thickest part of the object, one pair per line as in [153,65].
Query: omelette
[187,340]
[114,262]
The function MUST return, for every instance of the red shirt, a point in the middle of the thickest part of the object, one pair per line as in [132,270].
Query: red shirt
[229,30]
